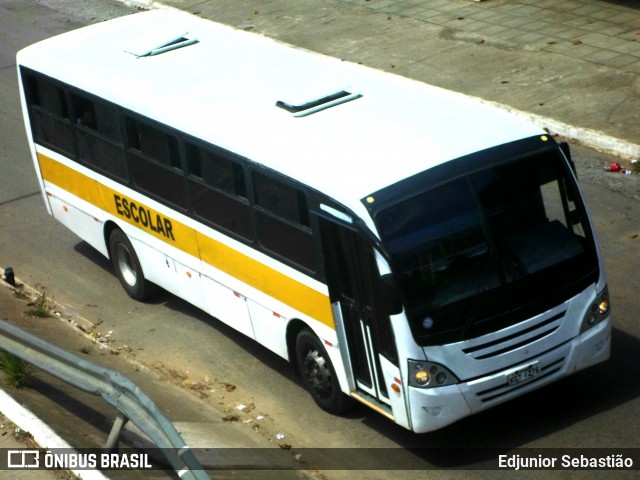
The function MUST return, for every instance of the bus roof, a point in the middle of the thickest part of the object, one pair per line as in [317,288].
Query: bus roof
[224,87]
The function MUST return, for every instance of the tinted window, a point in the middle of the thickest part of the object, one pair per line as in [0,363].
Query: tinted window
[48,96]
[485,251]
[49,115]
[106,156]
[97,116]
[154,159]
[99,136]
[218,190]
[153,143]
[282,221]
[216,171]
[281,199]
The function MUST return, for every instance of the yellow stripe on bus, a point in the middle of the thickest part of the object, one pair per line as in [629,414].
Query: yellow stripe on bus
[246,269]
[111,201]
[267,280]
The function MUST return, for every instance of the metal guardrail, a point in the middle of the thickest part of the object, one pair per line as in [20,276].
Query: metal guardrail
[116,389]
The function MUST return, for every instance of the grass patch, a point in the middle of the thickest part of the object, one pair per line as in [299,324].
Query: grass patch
[40,306]
[16,370]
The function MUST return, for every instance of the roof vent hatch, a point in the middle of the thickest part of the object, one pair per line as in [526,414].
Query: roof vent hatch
[309,107]
[147,47]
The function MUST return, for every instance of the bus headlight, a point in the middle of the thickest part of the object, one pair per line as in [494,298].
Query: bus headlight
[422,377]
[597,311]
[429,375]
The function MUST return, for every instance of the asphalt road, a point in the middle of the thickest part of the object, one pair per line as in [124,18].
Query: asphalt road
[595,408]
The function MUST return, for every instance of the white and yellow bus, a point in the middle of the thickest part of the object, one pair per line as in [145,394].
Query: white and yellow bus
[402,245]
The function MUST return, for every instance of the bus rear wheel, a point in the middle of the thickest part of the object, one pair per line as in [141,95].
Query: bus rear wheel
[128,268]
[318,374]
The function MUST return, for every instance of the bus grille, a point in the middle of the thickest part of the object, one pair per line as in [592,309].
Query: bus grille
[513,341]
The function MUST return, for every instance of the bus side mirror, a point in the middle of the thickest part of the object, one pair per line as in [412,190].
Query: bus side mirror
[390,295]
[564,146]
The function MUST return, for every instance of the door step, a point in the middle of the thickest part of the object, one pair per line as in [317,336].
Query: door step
[371,402]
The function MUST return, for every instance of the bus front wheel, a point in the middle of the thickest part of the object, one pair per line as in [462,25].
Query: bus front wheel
[128,268]
[318,374]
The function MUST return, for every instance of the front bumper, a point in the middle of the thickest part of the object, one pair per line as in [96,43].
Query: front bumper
[434,408]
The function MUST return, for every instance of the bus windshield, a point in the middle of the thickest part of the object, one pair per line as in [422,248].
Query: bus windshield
[486,250]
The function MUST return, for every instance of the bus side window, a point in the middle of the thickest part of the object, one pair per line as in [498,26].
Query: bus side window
[48,96]
[280,199]
[49,114]
[282,221]
[99,136]
[216,170]
[153,143]
[218,190]
[154,162]
[84,112]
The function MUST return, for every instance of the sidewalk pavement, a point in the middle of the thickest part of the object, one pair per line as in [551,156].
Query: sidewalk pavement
[571,67]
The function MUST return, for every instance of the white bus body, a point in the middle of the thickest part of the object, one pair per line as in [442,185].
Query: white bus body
[414,249]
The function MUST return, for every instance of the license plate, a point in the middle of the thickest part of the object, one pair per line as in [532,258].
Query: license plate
[524,374]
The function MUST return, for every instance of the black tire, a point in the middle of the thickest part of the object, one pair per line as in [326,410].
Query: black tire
[318,374]
[128,268]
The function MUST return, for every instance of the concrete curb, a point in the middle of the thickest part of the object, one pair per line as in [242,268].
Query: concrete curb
[585,136]
[77,322]
[42,434]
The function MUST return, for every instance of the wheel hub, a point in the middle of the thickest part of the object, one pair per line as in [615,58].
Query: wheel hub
[317,372]
[125,265]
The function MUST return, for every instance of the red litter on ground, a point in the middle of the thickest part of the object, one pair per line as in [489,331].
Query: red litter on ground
[614,167]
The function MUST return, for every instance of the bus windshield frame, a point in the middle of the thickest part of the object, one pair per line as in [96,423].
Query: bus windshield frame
[487,241]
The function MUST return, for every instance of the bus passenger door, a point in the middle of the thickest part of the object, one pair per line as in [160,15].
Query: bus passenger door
[354,289]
